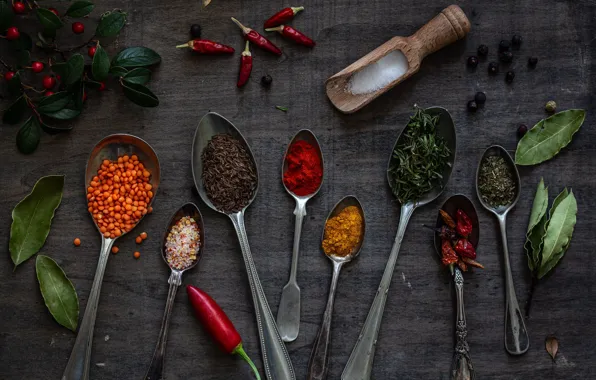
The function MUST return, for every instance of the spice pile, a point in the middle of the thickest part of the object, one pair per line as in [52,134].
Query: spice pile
[495,182]
[183,243]
[305,171]
[119,195]
[455,246]
[229,174]
[343,232]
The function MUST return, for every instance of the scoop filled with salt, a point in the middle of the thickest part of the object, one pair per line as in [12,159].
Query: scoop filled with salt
[394,61]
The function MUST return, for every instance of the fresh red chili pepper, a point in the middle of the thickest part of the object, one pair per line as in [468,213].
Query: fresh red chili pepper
[464,225]
[448,254]
[257,39]
[293,34]
[217,324]
[245,66]
[465,249]
[207,47]
[282,16]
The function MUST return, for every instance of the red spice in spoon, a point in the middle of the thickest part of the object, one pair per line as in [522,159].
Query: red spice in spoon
[305,171]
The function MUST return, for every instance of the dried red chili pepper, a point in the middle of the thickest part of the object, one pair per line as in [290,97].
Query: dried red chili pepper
[293,34]
[448,254]
[282,16]
[444,232]
[465,249]
[245,66]
[462,266]
[471,262]
[464,224]
[257,39]
[447,219]
[207,47]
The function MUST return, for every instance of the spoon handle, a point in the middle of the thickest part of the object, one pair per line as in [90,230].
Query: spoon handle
[288,314]
[461,366]
[276,360]
[155,370]
[359,366]
[517,341]
[317,367]
[80,357]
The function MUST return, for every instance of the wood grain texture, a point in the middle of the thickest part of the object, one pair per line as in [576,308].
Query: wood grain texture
[416,339]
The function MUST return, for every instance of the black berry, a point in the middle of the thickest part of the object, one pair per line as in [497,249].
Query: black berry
[506,57]
[483,50]
[493,68]
[532,61]
[472,61]
[472,106]
[509,76]
[504,45]
[516,40]
[480,98]
[521,130]
[195,31]
[266,80]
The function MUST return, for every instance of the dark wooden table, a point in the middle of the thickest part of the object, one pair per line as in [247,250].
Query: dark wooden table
[416,338]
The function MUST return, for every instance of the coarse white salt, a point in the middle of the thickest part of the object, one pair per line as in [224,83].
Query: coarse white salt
[379,74]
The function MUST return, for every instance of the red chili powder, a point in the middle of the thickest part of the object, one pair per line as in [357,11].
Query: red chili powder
[304,174]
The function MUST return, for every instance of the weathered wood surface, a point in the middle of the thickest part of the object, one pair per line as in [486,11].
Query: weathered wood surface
[416,339]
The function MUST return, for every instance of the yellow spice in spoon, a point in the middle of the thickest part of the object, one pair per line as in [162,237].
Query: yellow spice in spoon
[343,232]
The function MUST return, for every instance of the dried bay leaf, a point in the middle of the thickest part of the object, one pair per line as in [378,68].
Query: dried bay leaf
[32,218]
[536,226]
[552,346]
[58,292]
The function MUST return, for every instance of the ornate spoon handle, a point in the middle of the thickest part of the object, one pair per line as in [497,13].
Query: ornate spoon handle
[461,366]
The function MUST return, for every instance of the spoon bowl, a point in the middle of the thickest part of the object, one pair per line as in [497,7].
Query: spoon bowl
[499,151]
[188,209]
[309,137]
[451,205]
[347,201]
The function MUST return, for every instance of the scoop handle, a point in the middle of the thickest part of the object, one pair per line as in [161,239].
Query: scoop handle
[450,25]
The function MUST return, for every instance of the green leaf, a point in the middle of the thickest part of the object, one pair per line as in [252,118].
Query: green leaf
[118,71]
[15,112]
[558,232]
[137,56]
[23,43]
[548,137]
[92,84]
[539,206]
[63,114]
[536,226]
[58,292]
[14,85]
[78,93]
[23,58]
[53,130]
[282,108]
[80,9]
[6,15]
[54,103]
[32,218]
[48,19]
[110,24]
[28,136]
[139,94]
[101,64]
[140,75]
[74,69]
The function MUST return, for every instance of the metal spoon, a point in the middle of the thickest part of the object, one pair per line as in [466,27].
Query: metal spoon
[155,370]
[276,360]
[461,366]
[288,314]
[517,341]
[109,148]
[317,367]
[359,366]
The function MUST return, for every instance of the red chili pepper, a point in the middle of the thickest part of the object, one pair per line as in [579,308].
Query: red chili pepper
[282,16]
[293,34]
[257,39]
[465,249]
[245,66]
[448,254]
[207,47]
[464,224]
[447,219]
[217,324]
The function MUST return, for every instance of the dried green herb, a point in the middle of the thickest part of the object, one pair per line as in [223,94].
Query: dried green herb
[495,182]
[58,292]
[419,161]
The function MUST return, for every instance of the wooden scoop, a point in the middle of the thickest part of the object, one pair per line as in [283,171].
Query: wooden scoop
[447,27]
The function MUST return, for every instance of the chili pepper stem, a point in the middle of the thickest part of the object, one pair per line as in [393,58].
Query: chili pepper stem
[183,45]
[240,351]
[245,30]
[279,28]
[246,51]
[297,9]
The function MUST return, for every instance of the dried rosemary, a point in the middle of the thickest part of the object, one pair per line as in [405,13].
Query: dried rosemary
[495,182]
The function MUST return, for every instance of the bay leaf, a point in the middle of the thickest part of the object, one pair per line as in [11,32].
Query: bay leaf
[32,218]
[58,292]
[552,346]
[536,226]
[548,137]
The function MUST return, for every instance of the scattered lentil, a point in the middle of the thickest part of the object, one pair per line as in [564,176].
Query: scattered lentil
[137,254]
[138,240]
[183,243]
[115,250]
[143,235]
[343,232]
[77,242]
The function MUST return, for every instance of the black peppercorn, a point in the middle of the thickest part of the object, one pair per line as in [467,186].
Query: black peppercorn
[522,130]
[532,61]
[509,76]
[483,50]
[472,61]
[504,45]
[506,57]
[472,106]
[493,68]
[480,98]
[516,40]
[195,31]
[266,80]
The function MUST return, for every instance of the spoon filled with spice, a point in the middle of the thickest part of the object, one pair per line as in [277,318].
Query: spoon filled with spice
[498,187]
[342,240]
[225,175]
[182,246]
[418,170]
[302,175]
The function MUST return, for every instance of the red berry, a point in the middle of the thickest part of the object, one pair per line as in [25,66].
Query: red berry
[48,82]
[84,95]
[54,11]
[102,86]
[37,67]
[58,78]
[18,7]
[91,51]
[78,27]
[8,75]
[12,33]
[48,93]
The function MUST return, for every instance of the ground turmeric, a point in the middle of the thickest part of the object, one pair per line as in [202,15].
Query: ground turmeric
[343,232]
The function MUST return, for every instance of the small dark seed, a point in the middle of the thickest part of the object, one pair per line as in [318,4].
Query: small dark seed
[522,130]
[493,68]
[504,45]
[472,106]
[506,57]
[509,76]
[483,50]
[266,80]
[472,61]
[516,40]
[195,31]
[532,61]
[480,98]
